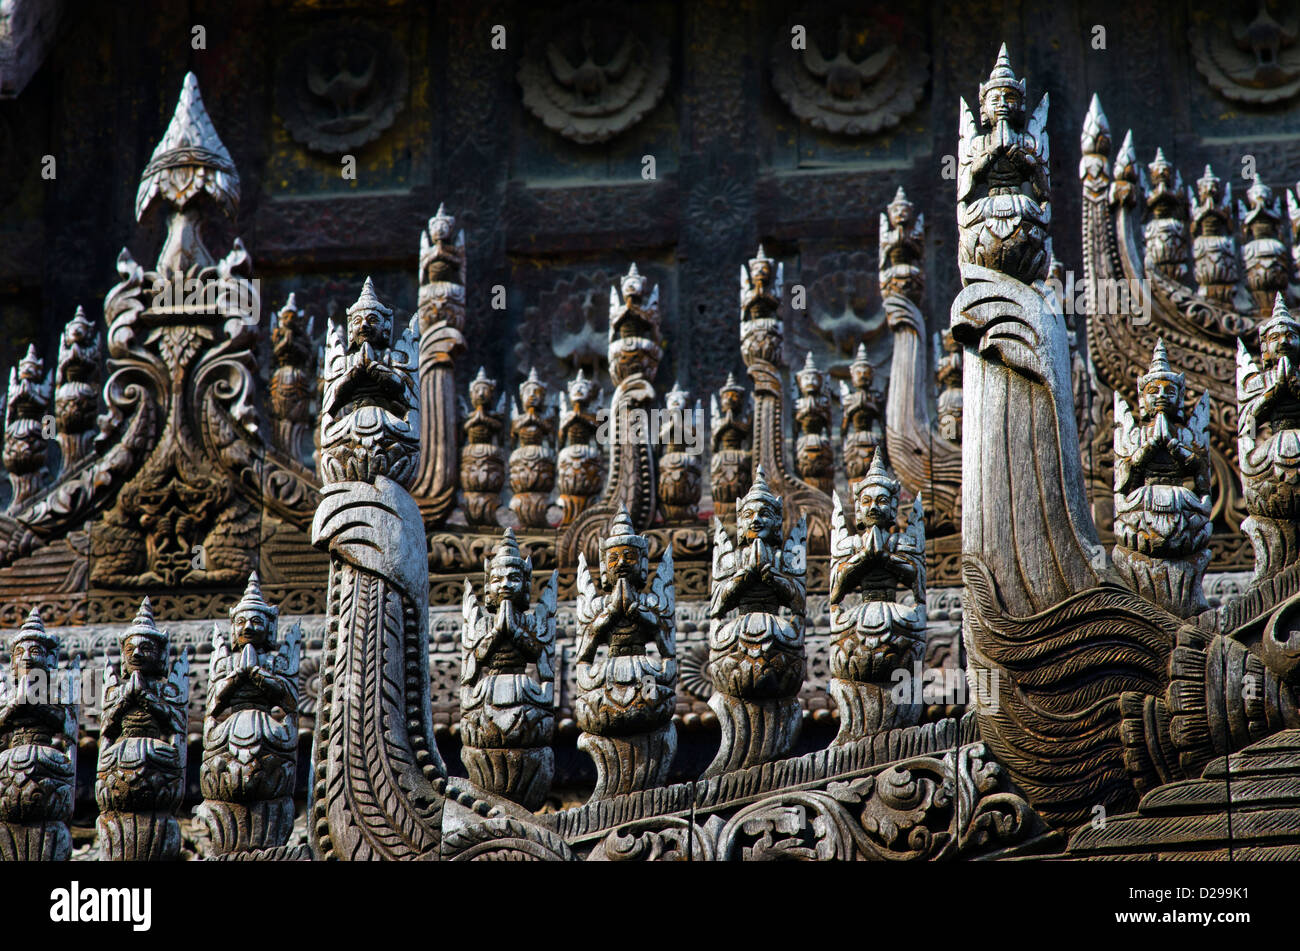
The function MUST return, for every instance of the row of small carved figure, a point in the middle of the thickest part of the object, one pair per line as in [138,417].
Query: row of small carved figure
[626,677]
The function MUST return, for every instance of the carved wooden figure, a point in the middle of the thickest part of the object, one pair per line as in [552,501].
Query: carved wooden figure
[814,453]
[76,393]
[1268,426]
[140,778]
[482,460]
[440,323]
[1214,240]
[28,402]
[1268,265]
[532,463]
[756,656]
[863,423]
[948,375]
[250,731]
[680,467]
[731,461]
[581,462]
[1167,248]
[38,747]
[507,714]
[762,336]
[626,672]
[635,349]
[293,382]
[1162,491]
[377,776]
[876,637]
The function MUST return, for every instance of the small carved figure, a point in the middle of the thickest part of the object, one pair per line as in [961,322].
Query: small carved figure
[1162,490]
[76,394]
[1165,231]
[875,638]
[680,469]
[293,382]
[756,658]
[1214,244]
[902,249]
[626,663]
[731,462]
[948,375]
[140,780]
[250,729]
[1003,187]
[38,747]
[1263,233]
[30,390]
[532,464]
[814,454]
[482,461]
[863,408]
[581,462]
[508,715]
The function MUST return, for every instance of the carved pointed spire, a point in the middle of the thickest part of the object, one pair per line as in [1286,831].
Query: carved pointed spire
[1095,138]
[253,600]
[189,160]
[1002,75]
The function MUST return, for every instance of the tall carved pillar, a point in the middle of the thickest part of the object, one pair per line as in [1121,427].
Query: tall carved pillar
[30,390]
[38,748]
[293,382]
[581,462]
[250,731]
[1268,442]
[1214,241]
[627,663]
[731,463]
[140,779]
[863,429]
[680,466]
[876,637]
[1264,251]
[377,775]
[1162,491]
[76,389]
[440,322]
[814,453]
[482,460]
[532,464]
[507,715]
[762,337]
[756,655]
[635,349]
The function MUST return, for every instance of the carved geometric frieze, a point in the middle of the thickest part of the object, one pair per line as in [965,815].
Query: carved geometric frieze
[846,71]
[594,72]
[341,85]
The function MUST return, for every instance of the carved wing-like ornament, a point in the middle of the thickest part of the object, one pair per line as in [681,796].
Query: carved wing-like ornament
[662,598]
[544,624]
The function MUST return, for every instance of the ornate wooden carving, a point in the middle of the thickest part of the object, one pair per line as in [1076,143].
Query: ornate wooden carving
[532,463]
[581,462]
[680,467]
[482,461]
[1162,491]
[508,715]
[38,747]
[293,382]
[26,405]
[762,337]
[756,657]
[875,637]
[635,349]
[250,731]
[441,324]
[814,453]
[76,389]
[863,425]
[731,462]
[928,461]
[140,778]
[626,663]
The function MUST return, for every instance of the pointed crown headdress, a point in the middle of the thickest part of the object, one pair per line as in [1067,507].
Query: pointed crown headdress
[759,491]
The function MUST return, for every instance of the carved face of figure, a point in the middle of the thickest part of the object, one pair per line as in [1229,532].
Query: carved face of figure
[731,401]
[506,583]
[1281,339]
[624,561]
[145,654]
[481,394]
[1003,103]
[366,325]
[759,519]
[875,505]
[251,627]
[861,374]
[760,272]
[32,654]
[1161,397]
[533,395]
